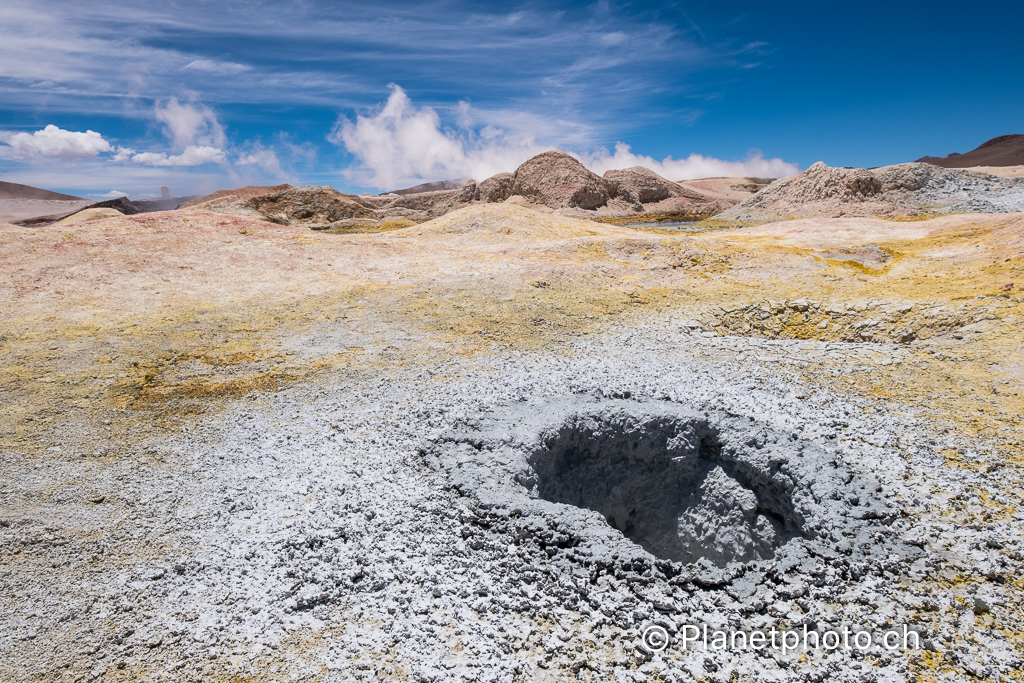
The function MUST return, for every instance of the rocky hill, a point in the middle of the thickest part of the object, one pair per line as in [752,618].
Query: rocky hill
[903,190]
[1005,150]
[552,182]
[557,182]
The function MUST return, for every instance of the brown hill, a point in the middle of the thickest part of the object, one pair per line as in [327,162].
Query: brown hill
[16,191]
[1005,150]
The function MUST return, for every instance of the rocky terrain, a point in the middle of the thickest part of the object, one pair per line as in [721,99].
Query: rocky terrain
[1005,150]
[905,190]
[551,182]
[508,444]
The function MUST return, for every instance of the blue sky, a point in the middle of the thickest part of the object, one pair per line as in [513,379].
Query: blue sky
[107,96]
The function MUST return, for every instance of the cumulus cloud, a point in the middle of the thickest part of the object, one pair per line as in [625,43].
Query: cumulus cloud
[400,144]
[192,156]
[693,166]
[113,194]
[190,123]
[54,142]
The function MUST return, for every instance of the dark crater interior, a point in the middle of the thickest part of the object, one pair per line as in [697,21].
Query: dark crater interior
[668,484]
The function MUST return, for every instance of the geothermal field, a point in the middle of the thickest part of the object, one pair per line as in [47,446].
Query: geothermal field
[491,432]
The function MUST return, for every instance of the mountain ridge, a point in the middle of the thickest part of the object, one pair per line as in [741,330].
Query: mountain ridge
[1004,150]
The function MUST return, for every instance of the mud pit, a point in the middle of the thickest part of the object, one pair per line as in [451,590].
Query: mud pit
[659,481]
[667,485]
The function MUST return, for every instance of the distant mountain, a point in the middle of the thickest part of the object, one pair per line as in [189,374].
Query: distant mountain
[431,187]
[1005,150]
[16,191]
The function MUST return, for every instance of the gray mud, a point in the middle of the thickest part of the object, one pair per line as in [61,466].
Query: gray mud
[515,517]
[639,479]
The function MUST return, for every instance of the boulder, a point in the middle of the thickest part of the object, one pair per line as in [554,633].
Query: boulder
[559,181]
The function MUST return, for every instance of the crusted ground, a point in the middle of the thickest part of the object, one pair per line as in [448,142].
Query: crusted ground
[210,418]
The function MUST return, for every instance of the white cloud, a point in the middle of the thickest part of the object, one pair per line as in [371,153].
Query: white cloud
[123,154]
[693,166]
[113,194]
[264,158]
[214,67]
[193,128]
[190,123]
[401,144]
[54,142]
[281,158]
[615,38]
[192,156]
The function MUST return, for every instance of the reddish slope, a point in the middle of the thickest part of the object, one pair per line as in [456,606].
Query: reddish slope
[1005,150]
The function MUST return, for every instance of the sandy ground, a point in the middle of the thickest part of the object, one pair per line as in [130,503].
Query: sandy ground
[19,209]
[215,426]
[731,189]
[1002,171]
